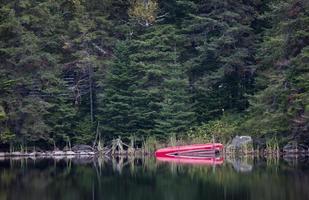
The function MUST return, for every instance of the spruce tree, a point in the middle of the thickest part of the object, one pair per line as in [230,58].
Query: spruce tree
[155,50]
[220,53]
[176,116]
[119,112]
[28,58]
[281,105]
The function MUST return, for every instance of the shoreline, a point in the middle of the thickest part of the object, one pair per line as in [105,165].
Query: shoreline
[72,154]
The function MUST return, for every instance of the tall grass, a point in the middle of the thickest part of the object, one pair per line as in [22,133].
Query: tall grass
[150,145]
[272,146]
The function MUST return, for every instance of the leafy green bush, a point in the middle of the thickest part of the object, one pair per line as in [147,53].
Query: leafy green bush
[6,136]
[222,130]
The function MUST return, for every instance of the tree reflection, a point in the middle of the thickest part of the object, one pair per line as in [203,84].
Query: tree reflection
[145,178]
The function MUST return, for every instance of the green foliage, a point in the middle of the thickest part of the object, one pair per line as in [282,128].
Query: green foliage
[205,68]
[220,56]
[145,12]
[167,78]
[280,107]
[150,144]
[2,114]
[272,144]
[124,112]
[82,134]
[6,137]
[222,129]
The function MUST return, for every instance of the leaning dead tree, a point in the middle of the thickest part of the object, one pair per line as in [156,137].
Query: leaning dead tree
[78,75]
[78,78]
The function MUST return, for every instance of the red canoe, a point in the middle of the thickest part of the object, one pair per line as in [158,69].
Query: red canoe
[194,151]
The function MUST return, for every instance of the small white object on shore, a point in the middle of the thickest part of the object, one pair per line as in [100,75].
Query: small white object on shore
[17,153]
[32,154]
[70,153]
[56,153]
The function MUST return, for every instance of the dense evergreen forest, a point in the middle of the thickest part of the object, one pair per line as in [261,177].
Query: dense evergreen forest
[188,69]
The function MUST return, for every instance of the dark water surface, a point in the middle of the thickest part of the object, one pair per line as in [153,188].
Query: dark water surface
[148,179]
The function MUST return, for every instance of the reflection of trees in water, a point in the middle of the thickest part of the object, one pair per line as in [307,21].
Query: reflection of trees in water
[87,178]
[295,160]
[148,163]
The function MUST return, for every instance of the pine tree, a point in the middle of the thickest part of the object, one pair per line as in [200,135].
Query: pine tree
[220,56]
[281,106]
[155,50]
[118,112]
[27,61]
[176,116]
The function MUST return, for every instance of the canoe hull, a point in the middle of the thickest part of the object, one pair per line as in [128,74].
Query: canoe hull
[190,151]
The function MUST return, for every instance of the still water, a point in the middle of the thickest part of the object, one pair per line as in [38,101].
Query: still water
[149,179]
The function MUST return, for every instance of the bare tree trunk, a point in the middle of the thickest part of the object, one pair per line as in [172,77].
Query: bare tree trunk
[91,92]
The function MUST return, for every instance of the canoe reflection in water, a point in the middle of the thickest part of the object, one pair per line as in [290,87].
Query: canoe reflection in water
[203,154]
[196,161]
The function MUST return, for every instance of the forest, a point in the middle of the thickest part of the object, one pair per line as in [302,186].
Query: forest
[153,69]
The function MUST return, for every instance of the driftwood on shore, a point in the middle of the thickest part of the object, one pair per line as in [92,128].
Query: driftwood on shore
[117,147]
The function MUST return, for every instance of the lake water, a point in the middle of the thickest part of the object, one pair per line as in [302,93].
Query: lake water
[149,179]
